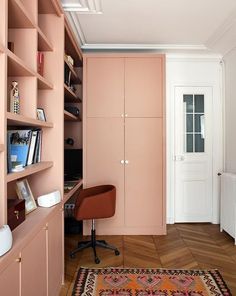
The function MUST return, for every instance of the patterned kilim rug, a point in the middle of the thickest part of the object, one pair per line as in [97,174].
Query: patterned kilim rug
[149,282]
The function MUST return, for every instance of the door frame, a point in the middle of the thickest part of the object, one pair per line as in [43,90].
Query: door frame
[217,143]
[193,159]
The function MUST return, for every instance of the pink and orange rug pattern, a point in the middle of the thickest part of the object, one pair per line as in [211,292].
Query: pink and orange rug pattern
[149,282]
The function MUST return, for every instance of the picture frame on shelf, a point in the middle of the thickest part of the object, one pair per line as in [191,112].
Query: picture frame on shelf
[24,192]
[41,114]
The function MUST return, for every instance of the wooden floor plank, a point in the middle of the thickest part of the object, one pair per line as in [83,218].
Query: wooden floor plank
[186,246]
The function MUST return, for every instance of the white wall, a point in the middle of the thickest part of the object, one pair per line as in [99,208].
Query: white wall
[194,71]
[230,112]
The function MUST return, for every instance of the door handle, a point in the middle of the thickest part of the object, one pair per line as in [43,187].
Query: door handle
[179,158]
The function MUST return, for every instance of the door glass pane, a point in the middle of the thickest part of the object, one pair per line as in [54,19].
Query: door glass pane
[199,103]
[189,143]
[194,123]
[189,123]
[188,99]
[199,143]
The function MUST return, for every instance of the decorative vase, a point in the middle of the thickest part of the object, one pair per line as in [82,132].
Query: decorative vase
[14,98]
[5,239]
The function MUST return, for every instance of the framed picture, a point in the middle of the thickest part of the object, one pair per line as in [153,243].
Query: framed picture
[40,114]
[24,192]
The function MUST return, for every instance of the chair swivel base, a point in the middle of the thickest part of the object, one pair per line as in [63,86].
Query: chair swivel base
[93,243]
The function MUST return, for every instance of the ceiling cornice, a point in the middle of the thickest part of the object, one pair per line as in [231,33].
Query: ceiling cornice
[83,6]
[158,47]
[223,39]
[193,56]
[76,27]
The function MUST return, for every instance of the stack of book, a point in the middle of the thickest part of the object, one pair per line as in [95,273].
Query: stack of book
[23,148]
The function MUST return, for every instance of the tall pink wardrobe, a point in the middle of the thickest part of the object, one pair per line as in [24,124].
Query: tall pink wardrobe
[124,138]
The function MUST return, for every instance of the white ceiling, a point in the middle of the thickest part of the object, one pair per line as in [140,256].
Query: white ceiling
[155,24]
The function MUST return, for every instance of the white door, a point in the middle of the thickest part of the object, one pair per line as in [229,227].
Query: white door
[193,154]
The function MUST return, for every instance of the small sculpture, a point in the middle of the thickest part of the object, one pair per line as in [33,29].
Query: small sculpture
[14,98]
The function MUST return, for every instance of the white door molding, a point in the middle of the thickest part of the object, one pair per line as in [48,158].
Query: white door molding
[195,73]
[193,170]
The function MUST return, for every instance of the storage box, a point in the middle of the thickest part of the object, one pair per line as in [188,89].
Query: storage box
[15,212]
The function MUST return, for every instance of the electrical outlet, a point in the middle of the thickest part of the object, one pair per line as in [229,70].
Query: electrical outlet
[69,206]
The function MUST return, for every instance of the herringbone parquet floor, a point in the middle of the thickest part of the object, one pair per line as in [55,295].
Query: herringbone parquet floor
[186,246]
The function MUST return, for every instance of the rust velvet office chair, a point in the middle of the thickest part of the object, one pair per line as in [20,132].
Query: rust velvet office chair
[95,203]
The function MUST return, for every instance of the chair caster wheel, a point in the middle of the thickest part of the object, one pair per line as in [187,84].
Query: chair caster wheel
[72,256]
[97,261]
[117,253]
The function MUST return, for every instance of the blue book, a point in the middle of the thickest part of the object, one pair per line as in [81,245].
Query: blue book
[19,146]
[9,164]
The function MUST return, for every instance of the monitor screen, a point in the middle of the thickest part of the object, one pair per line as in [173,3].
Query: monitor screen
[73,164]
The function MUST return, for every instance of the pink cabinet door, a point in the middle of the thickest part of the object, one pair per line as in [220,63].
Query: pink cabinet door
[55,254]
[144,87]
[144,205]
[34,267]
[10,280]
[104,153]
[105,87]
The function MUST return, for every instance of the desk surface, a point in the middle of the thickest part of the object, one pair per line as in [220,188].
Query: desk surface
[69,193]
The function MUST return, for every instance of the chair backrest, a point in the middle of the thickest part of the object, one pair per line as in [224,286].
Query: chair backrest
[96,203]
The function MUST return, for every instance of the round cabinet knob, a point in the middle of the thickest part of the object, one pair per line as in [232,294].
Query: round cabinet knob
[122,115]
[122,161]
[126,115]
[126,162]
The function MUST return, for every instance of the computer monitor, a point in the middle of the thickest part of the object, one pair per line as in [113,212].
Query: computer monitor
[73,164]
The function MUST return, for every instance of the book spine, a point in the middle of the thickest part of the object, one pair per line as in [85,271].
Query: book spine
[69,78]
[67,75]
[36,152]
[9,164]
[32,148]
[38,159]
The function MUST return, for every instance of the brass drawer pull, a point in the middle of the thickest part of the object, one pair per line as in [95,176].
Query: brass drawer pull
[17,214]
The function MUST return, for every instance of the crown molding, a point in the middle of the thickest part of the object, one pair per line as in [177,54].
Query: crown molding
[83,6]
[223,39]
[211,57]
[76,27]
[158,47]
